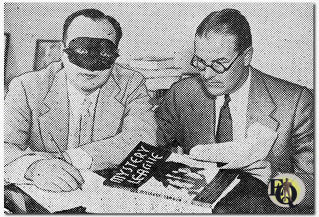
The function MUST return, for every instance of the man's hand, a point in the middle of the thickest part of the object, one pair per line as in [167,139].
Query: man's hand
[54,175]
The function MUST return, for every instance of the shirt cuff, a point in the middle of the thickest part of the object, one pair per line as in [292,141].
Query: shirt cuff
[79,158]
[14,172]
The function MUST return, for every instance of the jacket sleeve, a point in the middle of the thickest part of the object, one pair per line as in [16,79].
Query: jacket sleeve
[167,121]
[138,124]
[17,115]
[302,139]
[17,121]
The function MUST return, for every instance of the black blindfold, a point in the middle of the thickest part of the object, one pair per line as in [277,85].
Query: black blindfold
[94,54]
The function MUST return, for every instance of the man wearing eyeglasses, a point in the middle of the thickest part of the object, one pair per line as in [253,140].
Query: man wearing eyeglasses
[85,112]
[225,102]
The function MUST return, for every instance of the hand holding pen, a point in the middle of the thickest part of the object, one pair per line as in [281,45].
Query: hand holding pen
[55,174]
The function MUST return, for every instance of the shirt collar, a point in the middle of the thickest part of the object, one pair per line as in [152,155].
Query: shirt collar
[76,97]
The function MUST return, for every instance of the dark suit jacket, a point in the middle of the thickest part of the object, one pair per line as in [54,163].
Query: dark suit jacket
[187,114]
[37,106]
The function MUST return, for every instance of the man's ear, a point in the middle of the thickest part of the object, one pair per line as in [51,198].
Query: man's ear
[248,56]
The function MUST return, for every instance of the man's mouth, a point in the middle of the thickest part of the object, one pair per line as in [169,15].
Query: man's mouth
[214,83]
[88,76]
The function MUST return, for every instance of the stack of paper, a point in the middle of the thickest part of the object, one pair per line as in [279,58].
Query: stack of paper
[152,63]
[98,198]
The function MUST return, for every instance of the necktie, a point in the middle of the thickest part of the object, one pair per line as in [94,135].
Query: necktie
[223,178]
[86,122]
[225,124]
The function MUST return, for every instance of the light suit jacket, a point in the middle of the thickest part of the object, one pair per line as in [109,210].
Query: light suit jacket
[37,105]
[187,114]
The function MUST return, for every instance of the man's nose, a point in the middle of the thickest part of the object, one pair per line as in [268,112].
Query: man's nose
[209,73]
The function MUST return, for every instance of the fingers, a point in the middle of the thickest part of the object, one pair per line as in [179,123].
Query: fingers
[182,180]
[49,186]
[196,169]
[56,184]
[56,175]
[180,184]
[64,185]
[177,176]
[67,157]
[57,181]
[64,180]
[72,171]
[66,176]
[67,181]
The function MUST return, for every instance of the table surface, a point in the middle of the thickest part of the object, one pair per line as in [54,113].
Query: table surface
[100,199]
[239,200]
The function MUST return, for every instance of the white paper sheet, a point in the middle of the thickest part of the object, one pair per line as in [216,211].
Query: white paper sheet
[254,147]
[98,198]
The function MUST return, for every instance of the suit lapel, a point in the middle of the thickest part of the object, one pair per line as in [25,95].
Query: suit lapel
[54,121]
[207,117]
[261,107]
[108,112]
[201,116]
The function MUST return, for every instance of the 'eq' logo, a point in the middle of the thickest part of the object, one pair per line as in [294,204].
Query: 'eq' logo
[286,190]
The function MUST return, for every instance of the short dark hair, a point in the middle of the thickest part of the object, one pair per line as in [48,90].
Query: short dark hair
[94,15]
[227,21]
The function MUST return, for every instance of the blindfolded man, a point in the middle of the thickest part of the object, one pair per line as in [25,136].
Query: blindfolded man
[85,112]
[226,101]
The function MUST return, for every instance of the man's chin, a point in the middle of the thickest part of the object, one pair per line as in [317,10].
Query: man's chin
[89,89]
[214,91]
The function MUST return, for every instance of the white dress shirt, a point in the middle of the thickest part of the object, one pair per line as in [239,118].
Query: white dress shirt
[76,99]
[238,109]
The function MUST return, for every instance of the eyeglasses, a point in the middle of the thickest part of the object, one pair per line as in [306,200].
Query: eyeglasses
[218,67]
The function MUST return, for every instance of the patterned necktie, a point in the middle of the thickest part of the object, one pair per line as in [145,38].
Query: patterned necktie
[225,125]
[86,122]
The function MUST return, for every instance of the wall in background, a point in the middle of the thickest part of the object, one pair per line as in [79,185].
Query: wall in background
[282,33]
